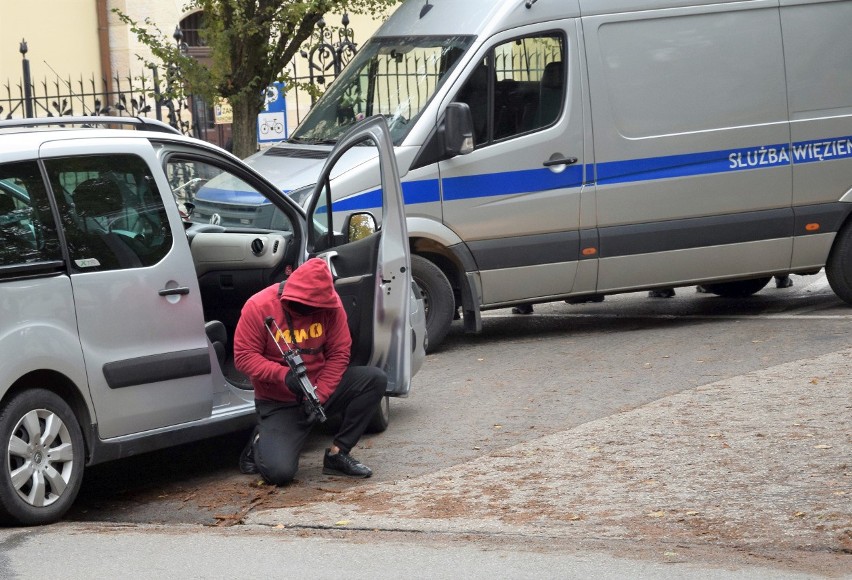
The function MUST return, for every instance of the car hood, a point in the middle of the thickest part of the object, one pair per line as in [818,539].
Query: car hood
[291,167]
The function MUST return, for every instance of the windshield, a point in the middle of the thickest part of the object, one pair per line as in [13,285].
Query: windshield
[391,76]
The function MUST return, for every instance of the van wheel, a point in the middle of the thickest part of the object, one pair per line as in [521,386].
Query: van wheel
[42,451]
[838,269]
[438,297]
[381,418]
[738,289]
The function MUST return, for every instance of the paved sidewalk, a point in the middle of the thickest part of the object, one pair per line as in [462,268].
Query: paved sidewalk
[760,463]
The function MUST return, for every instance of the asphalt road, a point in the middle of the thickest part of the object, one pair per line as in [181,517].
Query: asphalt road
[523,378]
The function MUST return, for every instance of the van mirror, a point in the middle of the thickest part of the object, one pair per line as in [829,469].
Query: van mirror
[458,130]
[359,225]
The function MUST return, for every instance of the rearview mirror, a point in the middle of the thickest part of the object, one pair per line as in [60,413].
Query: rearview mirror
[359,225]
[457,130]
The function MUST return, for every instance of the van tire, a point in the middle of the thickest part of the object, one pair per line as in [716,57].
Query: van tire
[26,418]
[838,269]
[738,289]
[439,298]
[381,418]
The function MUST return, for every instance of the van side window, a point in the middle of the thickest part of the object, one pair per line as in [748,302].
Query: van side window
[517,88]
[27,228]
[111,211]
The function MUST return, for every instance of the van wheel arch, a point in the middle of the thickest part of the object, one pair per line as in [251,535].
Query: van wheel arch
[64,388]
[439,296]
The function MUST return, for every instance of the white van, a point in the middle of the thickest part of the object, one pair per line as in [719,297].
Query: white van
[617,145]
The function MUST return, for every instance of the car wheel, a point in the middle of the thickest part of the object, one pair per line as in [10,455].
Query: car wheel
[438,298]
[381,418]
[838,270]
[42,450]
[738,289]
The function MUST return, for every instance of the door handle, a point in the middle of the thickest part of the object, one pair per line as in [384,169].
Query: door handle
[179,291]
[560,161]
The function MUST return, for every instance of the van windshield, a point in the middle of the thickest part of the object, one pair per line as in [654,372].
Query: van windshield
[391,76]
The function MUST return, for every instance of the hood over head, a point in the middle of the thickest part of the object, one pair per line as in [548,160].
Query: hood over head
[311,284]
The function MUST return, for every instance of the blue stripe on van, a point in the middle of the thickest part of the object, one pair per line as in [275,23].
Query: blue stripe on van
[511,182]
[423,191]
[692,164]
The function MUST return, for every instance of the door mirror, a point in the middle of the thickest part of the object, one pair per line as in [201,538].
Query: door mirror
[457,130]
[360,225]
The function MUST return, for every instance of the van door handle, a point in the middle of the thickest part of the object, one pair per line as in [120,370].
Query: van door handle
[180,290]
[560,161]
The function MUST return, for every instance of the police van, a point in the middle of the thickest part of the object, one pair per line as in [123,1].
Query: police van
[568,149]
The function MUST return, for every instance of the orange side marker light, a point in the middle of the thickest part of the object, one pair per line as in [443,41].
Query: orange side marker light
[812,227]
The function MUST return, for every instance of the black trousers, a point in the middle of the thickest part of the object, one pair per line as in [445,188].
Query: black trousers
[284,429]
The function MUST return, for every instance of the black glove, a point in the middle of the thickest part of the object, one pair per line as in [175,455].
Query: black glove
[292,382]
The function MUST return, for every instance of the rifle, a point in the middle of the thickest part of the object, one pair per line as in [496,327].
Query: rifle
[297,365]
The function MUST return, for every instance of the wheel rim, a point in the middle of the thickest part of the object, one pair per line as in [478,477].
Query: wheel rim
[425,295]
[40,457]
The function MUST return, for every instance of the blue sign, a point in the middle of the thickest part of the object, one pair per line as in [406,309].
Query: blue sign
[272,122]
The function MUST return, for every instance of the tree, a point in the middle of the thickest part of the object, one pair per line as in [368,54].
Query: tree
[252,42]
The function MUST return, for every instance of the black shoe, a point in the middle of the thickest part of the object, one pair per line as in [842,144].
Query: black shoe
[344,464]
[783,282]
[523,309]
[247,464]
[586,299]
[664,293]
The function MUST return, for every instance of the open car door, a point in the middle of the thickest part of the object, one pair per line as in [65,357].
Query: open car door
[370,263]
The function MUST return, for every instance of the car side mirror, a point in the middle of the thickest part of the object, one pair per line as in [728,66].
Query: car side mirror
[457,130]
[360,225]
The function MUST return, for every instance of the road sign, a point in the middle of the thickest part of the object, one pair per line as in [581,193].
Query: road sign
[272,122]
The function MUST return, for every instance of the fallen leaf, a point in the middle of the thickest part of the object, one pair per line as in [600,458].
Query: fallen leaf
[656,514]
[822,446]
[814,381]
[342,523]
[799,514]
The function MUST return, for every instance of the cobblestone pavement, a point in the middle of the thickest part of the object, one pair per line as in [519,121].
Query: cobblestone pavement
[759,464]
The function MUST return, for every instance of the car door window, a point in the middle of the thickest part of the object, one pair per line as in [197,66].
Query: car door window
[518,87]
[112,211]
[27,229]
[221,197]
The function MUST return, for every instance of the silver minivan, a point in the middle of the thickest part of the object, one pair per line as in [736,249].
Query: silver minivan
[610,146]
[116,313]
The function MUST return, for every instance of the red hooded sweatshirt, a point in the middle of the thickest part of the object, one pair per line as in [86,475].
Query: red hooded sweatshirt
[324,332]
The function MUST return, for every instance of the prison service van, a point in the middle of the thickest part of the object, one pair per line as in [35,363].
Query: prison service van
[568,149]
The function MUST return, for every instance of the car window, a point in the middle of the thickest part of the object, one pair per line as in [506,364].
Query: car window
[111,211]
[27,229]
[221,197]
[525,80]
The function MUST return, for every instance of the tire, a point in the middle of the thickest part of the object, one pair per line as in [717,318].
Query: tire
[439,298]
[47,479]
[738,289]
[381,418]
[838,270]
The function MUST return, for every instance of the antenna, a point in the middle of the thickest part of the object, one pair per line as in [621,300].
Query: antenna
[425,10]
[530,3]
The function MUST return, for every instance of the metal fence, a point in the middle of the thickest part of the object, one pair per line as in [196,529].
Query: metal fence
[144,94]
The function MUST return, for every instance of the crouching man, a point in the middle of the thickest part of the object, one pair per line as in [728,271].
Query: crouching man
[311,318]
